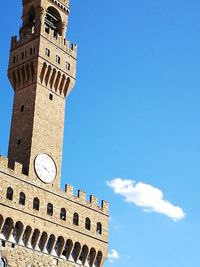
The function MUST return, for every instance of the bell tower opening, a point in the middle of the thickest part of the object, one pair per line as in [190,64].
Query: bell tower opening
[53,22]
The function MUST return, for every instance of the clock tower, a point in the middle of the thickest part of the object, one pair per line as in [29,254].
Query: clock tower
[40,224]
[42,72]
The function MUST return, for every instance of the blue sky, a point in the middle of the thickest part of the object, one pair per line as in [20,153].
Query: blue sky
[134,114]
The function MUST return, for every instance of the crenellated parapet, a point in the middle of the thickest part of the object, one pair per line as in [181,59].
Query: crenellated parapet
[64,44]
[80,197]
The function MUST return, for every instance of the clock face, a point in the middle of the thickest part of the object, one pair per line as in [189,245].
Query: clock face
[45,168]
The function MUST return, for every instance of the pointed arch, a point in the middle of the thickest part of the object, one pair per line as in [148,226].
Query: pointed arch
[68,249]
[57,80]
[50,243]
[98,259]
[59,245]
[84,254]
[76,251]
[43,241]
[44,67]
[34,238]
[17,232]
[7,228]
[47,76]
[91,257]
[52,78]
[26,235]
[62,83]
[66,88]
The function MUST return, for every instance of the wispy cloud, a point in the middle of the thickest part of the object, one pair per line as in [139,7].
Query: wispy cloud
[113,255]
[146,196]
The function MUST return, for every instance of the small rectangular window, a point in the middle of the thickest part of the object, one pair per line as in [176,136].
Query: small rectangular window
[19,142]
[22,108]
[14,59]
[47,52]
[68,66]
[50,96]
[32,50]
[57,59]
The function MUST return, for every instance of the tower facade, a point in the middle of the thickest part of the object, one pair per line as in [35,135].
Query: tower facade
[40,225]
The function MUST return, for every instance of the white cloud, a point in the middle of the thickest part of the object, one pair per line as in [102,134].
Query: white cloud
[146,196]
[113,255]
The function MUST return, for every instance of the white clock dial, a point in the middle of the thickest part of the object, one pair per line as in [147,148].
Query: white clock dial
[45,168]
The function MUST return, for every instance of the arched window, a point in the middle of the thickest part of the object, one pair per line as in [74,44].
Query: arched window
[53,22]
[76,219]
[9,194]
[22,198]
[63,214]
[36,204]
[87,224]
[50,209]
[3,262]
[99,228]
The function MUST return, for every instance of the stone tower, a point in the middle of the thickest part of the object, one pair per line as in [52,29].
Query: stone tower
[40,225]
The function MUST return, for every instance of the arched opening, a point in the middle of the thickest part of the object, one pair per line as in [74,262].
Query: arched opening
[3,262]
[36,204]
[99,228]
[7,228]
[66,86]
[84,254]
[67,250]
[76,251]
[44,67]
[17,232]
[47,76]
[63,214]
[43,241]
[98,259]
[49,209]
[57,80]
[9,193]
[59,246]
[50,243]
[35,238]
[87,224]
[52,77]
[22,198]
[62,83]
[91,257]
[53,22]
[76,219]
[26,235]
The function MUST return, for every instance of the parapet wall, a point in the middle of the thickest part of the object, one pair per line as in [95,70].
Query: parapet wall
[79,198]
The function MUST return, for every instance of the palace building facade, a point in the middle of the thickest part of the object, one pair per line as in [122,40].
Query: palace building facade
[41,225]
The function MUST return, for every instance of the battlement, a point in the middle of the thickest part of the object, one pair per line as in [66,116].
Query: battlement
[93,200]
[65,45]
[80,197]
